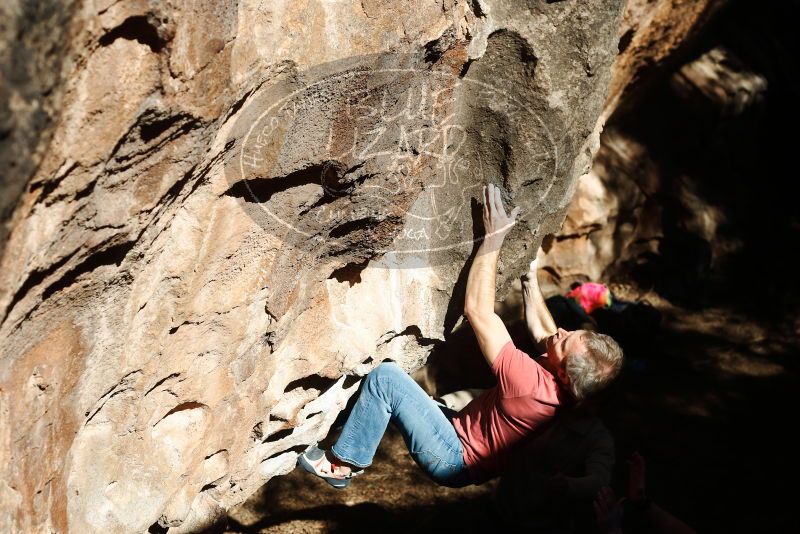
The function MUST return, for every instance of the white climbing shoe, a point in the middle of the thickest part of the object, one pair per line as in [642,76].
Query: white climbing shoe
[314,461]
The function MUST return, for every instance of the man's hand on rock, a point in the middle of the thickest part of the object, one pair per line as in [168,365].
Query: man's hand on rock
[495,221]
[529,279]
[530,283]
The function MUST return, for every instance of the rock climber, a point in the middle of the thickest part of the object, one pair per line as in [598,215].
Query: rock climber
[472,445]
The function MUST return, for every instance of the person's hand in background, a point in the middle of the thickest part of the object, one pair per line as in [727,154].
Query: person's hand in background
[636,479]
[608,511]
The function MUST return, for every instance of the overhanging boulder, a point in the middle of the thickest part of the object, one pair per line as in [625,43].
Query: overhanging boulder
[242,209]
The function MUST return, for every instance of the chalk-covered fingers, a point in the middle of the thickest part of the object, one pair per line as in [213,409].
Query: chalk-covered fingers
[496,222]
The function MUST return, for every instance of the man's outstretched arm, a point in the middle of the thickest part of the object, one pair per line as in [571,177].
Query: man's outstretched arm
[537,317]
[479,302]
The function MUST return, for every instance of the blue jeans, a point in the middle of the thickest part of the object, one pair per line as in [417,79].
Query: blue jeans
[388,393]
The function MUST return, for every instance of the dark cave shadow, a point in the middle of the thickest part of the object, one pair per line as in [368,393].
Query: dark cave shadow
[737,164]
[704,430]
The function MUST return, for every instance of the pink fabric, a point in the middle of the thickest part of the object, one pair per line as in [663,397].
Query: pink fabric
[591,296]
[526,395]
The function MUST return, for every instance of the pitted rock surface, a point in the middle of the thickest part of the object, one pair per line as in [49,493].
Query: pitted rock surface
[168,345]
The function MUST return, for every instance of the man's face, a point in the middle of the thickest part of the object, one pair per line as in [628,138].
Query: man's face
[560,346]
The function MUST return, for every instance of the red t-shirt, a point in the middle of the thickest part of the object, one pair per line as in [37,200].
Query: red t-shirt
[526,395]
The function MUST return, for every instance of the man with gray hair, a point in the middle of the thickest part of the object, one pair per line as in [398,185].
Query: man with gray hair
[475,444]
[574,364]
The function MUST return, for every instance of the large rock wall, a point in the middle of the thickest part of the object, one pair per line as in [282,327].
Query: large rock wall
[240,208]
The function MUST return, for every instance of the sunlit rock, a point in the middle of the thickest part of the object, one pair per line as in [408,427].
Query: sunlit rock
[190,290]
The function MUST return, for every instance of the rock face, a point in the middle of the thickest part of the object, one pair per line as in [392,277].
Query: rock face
[615,215]
[653,34]
[31,58]
[238,208]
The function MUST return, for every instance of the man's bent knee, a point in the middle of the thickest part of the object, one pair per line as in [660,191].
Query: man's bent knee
[384,370]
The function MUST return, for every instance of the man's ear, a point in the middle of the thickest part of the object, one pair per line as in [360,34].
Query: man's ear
[563,376]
